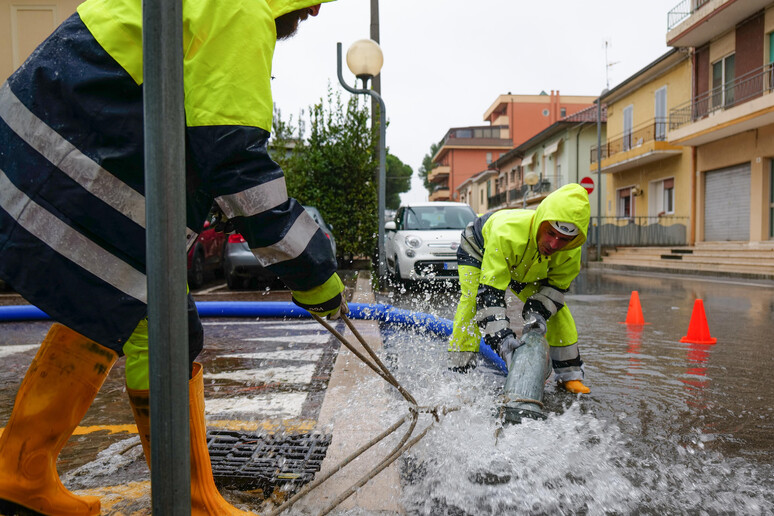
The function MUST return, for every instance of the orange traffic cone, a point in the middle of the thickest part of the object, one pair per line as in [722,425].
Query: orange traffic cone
[634,316]
[698,331]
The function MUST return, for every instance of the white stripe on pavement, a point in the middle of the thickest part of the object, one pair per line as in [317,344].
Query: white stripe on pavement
[311,338]
[284,325]
[304,355]
[301,374]
[275,404]
[18,348]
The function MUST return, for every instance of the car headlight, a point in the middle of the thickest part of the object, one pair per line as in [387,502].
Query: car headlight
[413,241]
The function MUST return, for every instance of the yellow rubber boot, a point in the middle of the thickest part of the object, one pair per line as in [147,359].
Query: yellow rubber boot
[575,387]
[206,500]
[56,392]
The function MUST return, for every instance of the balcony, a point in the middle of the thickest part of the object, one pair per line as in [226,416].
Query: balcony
[440,193]
[439,173]
[644,144]
[477,136]
[693,23]
[740,105]
[515,196]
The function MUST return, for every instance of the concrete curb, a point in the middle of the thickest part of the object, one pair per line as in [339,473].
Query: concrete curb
[354,389]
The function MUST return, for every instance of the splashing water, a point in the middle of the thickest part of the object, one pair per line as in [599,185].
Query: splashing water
[614,453]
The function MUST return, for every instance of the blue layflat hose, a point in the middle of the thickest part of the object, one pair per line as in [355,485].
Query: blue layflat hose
[387,314]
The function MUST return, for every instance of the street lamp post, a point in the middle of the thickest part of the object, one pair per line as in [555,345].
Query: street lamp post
[364,59]
[531,179]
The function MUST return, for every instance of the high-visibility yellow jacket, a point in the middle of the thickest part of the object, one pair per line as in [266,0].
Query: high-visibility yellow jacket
[72,205]
[510,242]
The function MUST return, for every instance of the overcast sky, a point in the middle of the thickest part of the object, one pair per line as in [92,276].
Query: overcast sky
[446,61]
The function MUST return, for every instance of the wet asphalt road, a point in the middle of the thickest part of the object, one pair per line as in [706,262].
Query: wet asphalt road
[260,375]
[685,428]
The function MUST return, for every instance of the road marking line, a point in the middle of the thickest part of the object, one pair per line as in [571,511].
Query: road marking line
[301,324]
[301,355]
[298,374]
[312,338]
[18,348]
[275,404]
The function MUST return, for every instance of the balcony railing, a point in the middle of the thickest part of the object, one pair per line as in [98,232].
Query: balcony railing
[497,199]
[747,87]
[652,131]
[682,11]
[638,231]
[516,195]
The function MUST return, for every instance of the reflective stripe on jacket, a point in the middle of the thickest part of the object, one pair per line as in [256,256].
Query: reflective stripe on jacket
[72,206]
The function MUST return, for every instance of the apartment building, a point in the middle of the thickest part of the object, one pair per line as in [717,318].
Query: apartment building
[729,119]
[464,152]
[649,179]
[477,191]
[558,155]
[467,151]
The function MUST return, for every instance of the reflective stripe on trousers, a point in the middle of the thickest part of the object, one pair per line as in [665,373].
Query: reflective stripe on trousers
[562,336]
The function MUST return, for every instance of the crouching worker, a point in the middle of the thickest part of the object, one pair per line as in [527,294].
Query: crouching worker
[537,255]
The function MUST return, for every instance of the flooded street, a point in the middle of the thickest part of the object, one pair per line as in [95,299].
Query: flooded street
[669,427]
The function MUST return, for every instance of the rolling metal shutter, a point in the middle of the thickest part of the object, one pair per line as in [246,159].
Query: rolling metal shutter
[727,203]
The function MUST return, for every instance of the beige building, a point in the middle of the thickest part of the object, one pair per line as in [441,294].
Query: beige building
[477,191]
[24,25]
[729,118]
[649,179]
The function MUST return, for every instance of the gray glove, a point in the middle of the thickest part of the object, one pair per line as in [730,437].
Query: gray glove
[533,321]
[461,361]
[509,345]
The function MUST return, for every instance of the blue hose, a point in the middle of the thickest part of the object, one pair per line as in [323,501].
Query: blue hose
[387,314]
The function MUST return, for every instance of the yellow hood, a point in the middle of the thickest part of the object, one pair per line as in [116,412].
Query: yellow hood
[280,7]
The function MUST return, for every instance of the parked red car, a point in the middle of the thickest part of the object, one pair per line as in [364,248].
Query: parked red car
[206,255]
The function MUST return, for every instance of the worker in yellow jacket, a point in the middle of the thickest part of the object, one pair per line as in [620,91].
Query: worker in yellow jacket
[72,215]
[537,255]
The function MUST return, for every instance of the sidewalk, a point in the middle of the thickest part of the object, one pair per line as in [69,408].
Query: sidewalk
[351,381]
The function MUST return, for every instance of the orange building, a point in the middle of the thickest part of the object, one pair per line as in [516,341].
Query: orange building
[513,119]
[527,115]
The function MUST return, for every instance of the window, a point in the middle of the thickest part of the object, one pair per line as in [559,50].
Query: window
[545,112]
[661,113]
[628,123]
[482,197]
[625,203]
[488,158]
[563,112]
[723,82]
[662,197]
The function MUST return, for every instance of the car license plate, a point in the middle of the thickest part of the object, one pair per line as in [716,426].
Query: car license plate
[450,266]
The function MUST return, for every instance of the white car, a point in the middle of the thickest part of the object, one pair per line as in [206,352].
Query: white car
[421,243]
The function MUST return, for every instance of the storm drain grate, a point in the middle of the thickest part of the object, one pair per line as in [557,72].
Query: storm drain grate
[258,461]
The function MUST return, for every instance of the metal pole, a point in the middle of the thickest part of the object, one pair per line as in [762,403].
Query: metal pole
[599,175]
[165,240]
[376,82]
[382,161]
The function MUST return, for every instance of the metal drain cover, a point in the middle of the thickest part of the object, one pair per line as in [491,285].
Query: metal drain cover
[248,461]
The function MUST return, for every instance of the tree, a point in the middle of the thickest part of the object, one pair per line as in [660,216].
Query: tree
[398,176]
[428,166]
[334,170]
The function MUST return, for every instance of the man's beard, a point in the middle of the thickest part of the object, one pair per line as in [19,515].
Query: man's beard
[287,24]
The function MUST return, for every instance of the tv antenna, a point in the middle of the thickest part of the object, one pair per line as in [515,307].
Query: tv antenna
[608,65]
